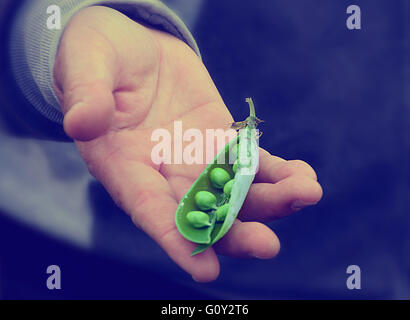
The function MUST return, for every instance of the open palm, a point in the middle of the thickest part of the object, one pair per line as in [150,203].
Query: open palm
[117,81]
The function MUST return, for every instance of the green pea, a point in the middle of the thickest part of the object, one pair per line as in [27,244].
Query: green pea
[198,219]
[219,177]
[228,187]
[235,166]
[205,200]
[221,212]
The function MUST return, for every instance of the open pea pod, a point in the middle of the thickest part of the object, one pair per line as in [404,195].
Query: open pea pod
[203,183]
[244,149]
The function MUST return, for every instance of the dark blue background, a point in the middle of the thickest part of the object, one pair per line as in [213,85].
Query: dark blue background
[337,99]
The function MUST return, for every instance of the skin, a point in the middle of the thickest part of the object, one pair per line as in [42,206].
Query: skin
[117,81]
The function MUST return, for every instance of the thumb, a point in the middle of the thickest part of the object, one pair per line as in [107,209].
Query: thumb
[84,80]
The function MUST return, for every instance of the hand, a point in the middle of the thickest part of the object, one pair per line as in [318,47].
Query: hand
[117,81]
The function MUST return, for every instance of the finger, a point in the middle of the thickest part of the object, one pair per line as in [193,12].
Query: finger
[180,185]
[249,240]
[273,169]
[267,201]
[84,80]
[146,196]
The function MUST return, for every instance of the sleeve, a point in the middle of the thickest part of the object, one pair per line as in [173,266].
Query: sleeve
[33,45]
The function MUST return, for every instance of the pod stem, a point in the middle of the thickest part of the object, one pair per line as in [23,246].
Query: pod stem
[251,107]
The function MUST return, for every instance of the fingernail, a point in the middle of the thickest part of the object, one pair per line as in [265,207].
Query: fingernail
[299,204]
[268,254]
[258,257]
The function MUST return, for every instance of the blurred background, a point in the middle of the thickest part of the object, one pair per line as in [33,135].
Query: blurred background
[335,98]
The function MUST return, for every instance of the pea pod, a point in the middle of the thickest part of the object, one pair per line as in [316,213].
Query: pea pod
[246,165]
[203,183]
